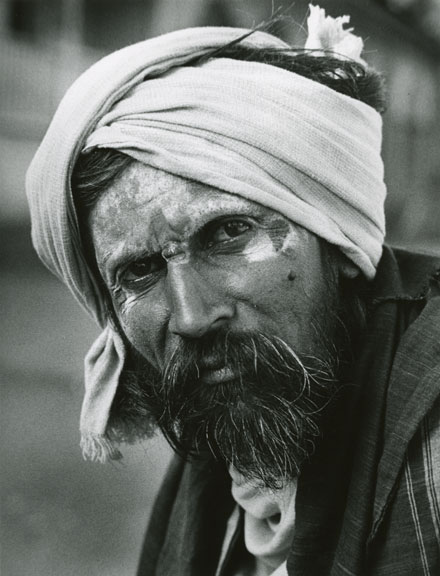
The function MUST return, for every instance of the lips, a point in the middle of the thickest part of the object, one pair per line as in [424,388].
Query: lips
[217,375]
[213,369]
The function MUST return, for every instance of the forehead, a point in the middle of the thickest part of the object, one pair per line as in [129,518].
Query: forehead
[143,193]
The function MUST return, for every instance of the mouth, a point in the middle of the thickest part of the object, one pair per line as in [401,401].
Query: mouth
[217,375]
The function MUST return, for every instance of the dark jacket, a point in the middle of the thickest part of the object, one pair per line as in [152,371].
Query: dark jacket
[368,503]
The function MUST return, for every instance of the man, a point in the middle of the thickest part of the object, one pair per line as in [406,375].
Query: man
[215,200]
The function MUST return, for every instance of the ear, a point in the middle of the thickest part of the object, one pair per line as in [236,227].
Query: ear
[348,269]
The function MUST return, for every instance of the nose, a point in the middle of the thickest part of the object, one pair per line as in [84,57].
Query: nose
[197,307]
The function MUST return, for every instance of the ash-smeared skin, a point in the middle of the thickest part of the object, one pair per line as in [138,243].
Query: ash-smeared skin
[244,284]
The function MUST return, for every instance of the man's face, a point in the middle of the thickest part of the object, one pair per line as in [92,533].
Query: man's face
[187,265]
[231,263]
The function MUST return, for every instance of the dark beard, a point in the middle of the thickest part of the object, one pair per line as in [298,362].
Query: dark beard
[268,421]
[265,422]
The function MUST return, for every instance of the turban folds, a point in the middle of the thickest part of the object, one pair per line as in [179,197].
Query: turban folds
[246,128]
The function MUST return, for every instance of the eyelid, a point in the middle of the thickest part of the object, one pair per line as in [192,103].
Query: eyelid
[123,266]
[215,224]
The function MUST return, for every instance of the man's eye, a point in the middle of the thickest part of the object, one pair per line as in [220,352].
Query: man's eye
[228,231]
[143,269]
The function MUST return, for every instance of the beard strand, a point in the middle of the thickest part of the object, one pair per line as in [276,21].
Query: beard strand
[265,422]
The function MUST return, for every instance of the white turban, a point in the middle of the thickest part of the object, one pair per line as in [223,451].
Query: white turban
[247,128]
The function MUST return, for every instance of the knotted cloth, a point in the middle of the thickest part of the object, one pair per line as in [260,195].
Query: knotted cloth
[269,521]
[246,128]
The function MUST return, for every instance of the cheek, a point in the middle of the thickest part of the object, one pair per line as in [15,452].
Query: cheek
[279,294]
[144,322]
[266,286]
[267,278]
[276,268]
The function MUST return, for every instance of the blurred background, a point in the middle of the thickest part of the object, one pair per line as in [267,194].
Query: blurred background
[59,515]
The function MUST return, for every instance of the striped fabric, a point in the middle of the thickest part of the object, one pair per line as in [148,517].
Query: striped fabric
[431,458]
[422,483]
[409,542]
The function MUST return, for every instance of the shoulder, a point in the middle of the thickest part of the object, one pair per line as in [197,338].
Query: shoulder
[406,281]
[419,271]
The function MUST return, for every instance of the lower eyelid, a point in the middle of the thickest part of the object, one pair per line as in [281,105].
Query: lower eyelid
[146,281]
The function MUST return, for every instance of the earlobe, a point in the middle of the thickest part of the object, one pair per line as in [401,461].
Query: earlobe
[348,269]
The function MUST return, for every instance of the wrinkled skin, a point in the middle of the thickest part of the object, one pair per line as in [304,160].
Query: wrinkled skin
[236,311]
[228,262]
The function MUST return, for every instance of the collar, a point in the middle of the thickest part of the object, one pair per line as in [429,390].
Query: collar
[414,382]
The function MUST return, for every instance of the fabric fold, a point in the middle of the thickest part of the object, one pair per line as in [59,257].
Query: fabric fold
[103,367]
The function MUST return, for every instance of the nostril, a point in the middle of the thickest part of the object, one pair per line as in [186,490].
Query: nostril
[197,323]
[189,329]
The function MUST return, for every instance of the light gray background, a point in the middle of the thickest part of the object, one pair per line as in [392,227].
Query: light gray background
[60,515]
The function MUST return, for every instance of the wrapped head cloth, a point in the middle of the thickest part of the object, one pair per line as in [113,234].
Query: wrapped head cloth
[246,128]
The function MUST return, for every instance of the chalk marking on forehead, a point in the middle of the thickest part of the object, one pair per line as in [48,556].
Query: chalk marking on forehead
[291,240]
[271,244]
[260,250]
